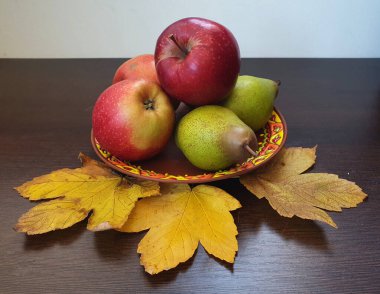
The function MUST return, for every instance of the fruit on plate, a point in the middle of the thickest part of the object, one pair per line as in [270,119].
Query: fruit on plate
[252,100]
[197,61]
[133,120]
[213,138]
[139,67]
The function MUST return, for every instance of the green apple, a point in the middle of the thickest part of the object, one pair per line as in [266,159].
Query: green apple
[252,100]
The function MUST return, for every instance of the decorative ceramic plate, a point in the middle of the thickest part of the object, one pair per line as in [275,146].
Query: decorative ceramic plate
[172,166]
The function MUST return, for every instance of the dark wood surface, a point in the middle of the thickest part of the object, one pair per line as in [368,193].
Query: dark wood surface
[45,121]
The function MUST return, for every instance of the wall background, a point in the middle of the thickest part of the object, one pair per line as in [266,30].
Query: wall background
[117,28]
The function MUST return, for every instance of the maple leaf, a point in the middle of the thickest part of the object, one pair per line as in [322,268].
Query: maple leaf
[78,192]
[305,195]
[181,218]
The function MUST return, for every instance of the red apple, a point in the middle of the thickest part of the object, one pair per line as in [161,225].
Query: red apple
[197,61]
[139,67]
[133,120]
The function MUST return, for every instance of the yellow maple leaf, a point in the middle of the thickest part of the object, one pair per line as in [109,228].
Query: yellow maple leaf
[181,218]
[305,195]
[91,188]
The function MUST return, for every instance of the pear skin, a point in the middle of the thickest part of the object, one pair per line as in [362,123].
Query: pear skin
[213,138]
[252,100]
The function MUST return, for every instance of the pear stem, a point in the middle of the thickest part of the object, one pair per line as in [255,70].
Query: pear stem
[249,149]
[184,50]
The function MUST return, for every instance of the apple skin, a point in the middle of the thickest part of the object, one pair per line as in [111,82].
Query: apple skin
[208,69]
[128,128]
[139,67]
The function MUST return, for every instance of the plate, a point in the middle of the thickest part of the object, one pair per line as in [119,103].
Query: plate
[172,166]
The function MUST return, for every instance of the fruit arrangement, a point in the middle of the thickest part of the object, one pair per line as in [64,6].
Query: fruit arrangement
[197,63]
[231,123]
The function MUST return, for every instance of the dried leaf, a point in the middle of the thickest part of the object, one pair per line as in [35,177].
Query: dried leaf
[181,218]
[91,188]
[289,162]
[291,193]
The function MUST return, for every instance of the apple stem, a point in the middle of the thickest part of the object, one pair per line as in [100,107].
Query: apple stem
[184,50]
[278,82]
[250,151]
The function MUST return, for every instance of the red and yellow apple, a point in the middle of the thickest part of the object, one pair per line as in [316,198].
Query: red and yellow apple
[141,67]
[137,68]
[197,61]
[133,120]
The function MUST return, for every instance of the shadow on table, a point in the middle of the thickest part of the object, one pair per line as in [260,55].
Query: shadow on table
[113,245]
[256,213]
[59,237]
[171,275]
[304,232]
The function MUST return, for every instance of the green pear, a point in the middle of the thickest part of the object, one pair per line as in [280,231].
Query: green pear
[213,138]
[252,100]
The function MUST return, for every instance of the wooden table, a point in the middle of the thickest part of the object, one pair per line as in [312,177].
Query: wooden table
[45,121]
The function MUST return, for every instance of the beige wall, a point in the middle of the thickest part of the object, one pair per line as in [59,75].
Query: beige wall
[115,28]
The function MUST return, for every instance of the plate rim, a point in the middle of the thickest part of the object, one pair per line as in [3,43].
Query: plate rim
[200,180]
